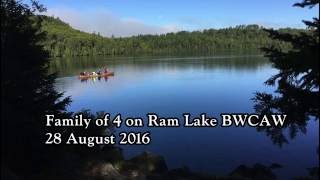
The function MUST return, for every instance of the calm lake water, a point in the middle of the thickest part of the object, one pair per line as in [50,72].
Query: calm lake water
[171,86]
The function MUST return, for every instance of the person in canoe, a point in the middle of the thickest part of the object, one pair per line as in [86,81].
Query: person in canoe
[83,73]
[99,73]
[105,70]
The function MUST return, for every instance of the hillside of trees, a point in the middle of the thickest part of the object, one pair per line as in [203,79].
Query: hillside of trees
[63,40]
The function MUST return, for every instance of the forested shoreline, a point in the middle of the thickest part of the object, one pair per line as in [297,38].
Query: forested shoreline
[63,40]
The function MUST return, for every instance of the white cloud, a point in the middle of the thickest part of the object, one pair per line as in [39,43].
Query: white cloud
[106,23]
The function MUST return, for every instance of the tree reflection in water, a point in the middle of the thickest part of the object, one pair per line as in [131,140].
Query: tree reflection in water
[94,79]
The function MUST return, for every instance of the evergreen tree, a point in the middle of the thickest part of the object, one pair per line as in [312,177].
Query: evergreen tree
[27,90]
[297,82]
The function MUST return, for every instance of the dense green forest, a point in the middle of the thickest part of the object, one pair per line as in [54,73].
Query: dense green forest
[63,40]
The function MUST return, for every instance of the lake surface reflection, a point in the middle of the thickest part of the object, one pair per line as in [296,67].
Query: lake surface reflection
[171,86]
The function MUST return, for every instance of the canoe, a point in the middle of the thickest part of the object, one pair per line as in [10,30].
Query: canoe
[97,75]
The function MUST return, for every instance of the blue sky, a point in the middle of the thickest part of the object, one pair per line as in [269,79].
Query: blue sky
[132,17]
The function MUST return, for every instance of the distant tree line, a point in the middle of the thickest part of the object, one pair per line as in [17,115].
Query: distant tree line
[63,40]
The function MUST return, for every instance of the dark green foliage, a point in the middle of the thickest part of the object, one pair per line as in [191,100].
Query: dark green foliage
[27,95]
[308,3]
[297,82]
[63,40]
[27,91]
[257,172]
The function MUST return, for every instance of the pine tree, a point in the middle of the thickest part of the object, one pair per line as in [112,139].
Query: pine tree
[297,82]
[27,90]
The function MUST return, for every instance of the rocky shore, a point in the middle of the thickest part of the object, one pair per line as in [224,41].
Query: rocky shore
[149,166]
